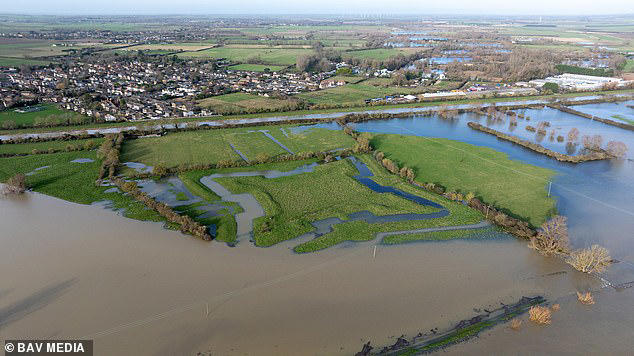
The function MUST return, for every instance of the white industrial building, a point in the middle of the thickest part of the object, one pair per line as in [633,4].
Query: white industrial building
[578,81]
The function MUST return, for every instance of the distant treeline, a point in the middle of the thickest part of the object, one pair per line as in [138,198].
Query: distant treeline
[598,72]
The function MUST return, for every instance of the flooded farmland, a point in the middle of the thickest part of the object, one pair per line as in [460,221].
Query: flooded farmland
[137,288]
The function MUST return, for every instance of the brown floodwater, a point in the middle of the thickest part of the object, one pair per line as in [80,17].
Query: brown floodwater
[72,271]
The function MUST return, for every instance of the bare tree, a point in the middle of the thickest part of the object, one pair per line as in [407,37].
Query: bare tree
[552,237]
[573,135]
[588,260]
[616,148]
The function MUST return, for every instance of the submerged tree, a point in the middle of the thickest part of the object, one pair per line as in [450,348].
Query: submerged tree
[573,135]
[589,260]
[616,148]
[552,237]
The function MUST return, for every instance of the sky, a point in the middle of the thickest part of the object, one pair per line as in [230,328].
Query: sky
[346,7]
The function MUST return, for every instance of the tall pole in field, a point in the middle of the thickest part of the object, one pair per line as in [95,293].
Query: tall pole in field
[550,185]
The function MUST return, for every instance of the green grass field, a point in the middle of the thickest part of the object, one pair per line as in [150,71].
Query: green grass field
[16,62]
[629,66]
[352,94]
[28,148]
[378,53]
[275,56]
[436,236]
[74,182]
[29,118]
[256,67]
[292,202]
[511,185]
[211,146]
[236,102]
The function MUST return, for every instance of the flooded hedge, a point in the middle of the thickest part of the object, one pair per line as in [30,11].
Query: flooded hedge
[594,156]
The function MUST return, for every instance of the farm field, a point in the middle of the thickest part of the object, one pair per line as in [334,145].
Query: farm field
[50,113]
[256,67]
[71,181]
[353,94]
[238,102]
[467,168]
[16,62]
[28,148]
[211,146]
[275,56]
[171,47]
[378,54]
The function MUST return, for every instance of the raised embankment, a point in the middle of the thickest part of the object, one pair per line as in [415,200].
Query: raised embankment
[592,117]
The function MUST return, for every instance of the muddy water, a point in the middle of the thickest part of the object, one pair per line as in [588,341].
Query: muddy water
[139,289]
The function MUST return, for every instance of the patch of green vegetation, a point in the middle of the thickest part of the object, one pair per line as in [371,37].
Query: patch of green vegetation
[515,187]
[435,236]
[292,202]
[74,182]
[244,102]
[275,56]
[226,227]
[350,94]
[28,148]
[211,146]
[173,149]
[16,62]
[621,118]
[47,112]
[378,53]
[314,139]
[629,66]
[599,72]
[257,67]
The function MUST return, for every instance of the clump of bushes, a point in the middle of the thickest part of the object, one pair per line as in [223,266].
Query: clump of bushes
[109,154]
[540,315]
[14,185]
[585,298]
[516,324]
[594,259]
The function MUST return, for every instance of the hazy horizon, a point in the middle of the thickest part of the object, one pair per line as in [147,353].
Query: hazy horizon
[324,7]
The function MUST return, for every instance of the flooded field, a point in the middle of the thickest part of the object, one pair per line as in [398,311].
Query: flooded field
[136,288]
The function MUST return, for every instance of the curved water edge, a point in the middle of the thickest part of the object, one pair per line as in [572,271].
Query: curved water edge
[253,209]
[276,119]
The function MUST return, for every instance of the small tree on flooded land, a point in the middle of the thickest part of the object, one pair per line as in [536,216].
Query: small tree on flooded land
[589,260]
[552,237]
[573,135]
[540,315]
[616,148]
[14,185]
